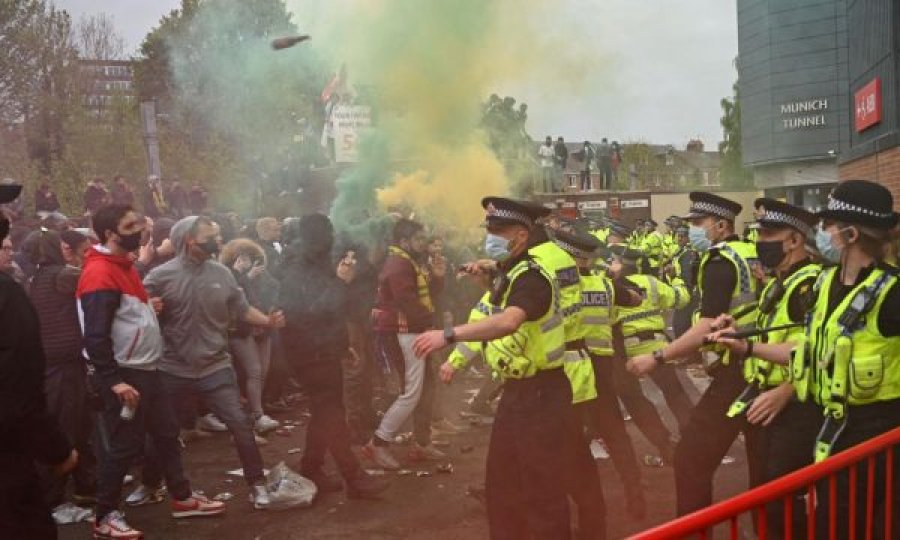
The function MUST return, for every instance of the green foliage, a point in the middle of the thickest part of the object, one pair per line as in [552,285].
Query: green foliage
[733,172]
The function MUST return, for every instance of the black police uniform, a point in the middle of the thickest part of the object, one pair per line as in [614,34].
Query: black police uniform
[525,484]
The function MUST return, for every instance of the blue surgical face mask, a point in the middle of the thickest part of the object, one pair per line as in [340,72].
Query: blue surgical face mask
[697,237]
[825,246]
[496,247]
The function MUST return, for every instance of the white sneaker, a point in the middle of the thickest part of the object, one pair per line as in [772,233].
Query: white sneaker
[381,456]
[259,497]
[260,440]
[145,495]
[114,527]
[265,424]
[209,422]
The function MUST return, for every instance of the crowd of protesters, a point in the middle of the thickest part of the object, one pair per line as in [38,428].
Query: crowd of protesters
[162,325]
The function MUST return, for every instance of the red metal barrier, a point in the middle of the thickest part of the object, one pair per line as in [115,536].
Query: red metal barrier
[729,511]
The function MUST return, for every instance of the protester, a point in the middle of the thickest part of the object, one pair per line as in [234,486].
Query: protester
[548,168]
[250,345]
[316,304]
[52,291]
[45,201]
[154,200]
[95,195]
[28,432]
[122,192]
[404,308]
[198,200]
[268,230]
[177,198]
[201,298]
[7,265]
[124,345]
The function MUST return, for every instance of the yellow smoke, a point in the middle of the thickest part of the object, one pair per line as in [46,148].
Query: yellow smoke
[432,63]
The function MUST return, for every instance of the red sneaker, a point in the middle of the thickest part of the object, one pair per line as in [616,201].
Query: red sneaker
[114,527]
[196,505]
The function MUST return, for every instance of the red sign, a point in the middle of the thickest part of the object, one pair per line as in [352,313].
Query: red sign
[868,105]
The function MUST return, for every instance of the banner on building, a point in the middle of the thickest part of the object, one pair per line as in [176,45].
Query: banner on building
[349,122]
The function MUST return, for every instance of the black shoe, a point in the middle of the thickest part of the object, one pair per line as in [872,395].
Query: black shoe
[366,486]
[326,483]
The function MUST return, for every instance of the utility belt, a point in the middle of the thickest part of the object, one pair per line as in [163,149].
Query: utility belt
[576,345]
[536,381]
[833,427]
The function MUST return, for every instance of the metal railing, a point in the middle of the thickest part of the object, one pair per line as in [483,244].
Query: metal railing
[700,523]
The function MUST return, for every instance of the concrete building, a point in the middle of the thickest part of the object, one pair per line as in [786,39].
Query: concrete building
[103,80]
[874,89]
[795,107]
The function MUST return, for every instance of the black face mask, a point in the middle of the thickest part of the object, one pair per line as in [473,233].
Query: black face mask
[210,247]
[770,253]
[130,242]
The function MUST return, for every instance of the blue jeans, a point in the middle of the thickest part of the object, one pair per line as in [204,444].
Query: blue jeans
[219,391]
[125,438]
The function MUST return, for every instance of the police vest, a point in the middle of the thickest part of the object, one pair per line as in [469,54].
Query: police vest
[602,235]
[536,345]
[597,313]
[773,311]
[467,351]
[743,298]
[643,327]
[652,246]
[845,360]
[677,261]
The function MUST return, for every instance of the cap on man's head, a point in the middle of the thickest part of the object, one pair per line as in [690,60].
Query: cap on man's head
[577,243]
[500,211]
[777,214]
[862,202]
[704,204]
[9,192]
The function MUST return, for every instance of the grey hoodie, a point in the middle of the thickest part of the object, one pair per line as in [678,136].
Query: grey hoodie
[199,301]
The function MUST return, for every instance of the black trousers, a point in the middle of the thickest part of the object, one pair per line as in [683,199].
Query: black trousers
[358,383]
[526,464]
[707,438]
[322,381]
[585,487]
[644,413]
[789,443]
[127,438]
[863,423]
[66,386]
[605,417]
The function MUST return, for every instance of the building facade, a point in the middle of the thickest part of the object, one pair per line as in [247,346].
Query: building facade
[104,80]
[874,88]
[793,91]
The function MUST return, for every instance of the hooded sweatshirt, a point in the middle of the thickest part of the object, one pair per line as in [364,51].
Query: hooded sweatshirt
[313,298]
[119,325]
[52,292]
[199,301]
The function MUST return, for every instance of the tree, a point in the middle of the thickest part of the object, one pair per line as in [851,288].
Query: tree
[37,68]
[97,39]
[733,172]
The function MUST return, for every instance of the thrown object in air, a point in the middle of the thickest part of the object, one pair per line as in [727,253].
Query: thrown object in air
[288,42]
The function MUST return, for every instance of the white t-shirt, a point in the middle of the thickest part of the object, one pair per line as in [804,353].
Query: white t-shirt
[547,153]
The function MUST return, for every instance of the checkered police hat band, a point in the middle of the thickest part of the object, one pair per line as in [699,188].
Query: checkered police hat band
[843,206]
[510,215]
[572,250]
[703,207]
[772,216]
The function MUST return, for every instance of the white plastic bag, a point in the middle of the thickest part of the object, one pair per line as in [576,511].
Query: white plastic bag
[288,489]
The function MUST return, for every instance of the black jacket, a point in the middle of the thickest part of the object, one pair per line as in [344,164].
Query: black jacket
[315,303]
[27,432]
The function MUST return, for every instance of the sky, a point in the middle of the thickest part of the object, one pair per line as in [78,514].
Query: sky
[665,66]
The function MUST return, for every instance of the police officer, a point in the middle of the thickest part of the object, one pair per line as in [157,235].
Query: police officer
[641,330]
[652,246]
[525,345]
[684,265]
[726,285]
[847,359]
[769,400]
[600,298]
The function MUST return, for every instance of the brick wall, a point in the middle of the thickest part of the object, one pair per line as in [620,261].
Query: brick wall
[883,167]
